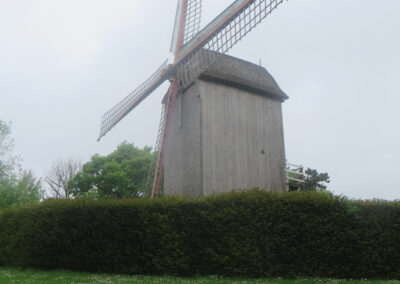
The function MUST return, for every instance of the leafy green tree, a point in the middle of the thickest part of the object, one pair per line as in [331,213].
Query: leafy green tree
[312,180]
[16,186]
[121,174]
[20,190]
[8,162]
[315,181]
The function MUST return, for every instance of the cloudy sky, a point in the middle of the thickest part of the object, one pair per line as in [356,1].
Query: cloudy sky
[63,63]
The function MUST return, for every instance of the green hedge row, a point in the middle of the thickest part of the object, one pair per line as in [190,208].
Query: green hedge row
[255,234]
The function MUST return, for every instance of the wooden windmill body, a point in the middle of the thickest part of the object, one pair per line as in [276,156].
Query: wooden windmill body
[226,133]
[221,122]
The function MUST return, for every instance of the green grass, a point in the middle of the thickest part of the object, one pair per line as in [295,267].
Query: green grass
[11,275]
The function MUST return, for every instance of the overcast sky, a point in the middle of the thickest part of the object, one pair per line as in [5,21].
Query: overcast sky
[63,63]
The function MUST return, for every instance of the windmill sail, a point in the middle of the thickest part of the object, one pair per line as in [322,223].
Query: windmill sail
[190,11]
[114,115]
[193,20]
[157,147]
[221,35]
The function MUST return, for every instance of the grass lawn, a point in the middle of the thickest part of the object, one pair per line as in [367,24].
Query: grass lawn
[10,275]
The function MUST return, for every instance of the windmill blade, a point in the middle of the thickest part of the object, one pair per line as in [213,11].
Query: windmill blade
[187,22]
[114,115]
[193,20]
[163,138]
[219,36]
[157,147]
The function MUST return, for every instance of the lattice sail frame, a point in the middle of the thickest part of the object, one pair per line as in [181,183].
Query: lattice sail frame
[114,115]
[193,20]
[191,29]
[221,39]
[160,135]
[187,25]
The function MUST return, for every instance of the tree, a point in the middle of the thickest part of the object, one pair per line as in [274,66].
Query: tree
[121,174]
[312,180]
[59,175]
[16,186]
[22,190]
[315,181]
[8,162]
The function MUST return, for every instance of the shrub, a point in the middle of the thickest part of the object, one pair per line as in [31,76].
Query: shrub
[252,233]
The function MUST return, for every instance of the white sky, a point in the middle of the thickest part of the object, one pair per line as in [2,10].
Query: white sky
[64,63]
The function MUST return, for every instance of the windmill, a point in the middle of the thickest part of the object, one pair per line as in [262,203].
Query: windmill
[194,52]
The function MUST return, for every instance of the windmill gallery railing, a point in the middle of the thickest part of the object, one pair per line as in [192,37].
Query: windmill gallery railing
[295,176]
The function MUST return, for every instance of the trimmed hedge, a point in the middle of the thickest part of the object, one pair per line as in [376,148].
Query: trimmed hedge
[252,233]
